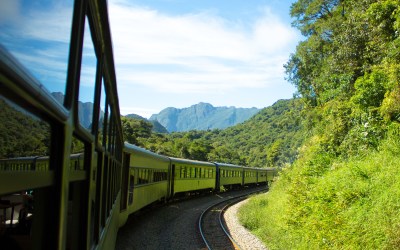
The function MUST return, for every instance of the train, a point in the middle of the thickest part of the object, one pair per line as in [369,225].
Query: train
[78,199]
[151,177]
[146,178]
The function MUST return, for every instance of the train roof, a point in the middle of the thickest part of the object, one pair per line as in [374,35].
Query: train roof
[192,162]
[133,149]
[228,165]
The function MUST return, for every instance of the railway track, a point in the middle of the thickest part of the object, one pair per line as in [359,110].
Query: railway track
[212,227]
[173,225]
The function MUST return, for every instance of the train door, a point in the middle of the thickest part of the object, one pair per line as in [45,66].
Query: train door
[172,180]
[243,176]
[131,185]
[125,181]
[217,178]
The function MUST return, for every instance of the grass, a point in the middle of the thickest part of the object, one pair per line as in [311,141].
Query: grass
[348,204]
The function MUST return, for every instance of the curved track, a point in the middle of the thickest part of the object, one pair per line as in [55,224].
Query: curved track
[173,225]
[212,226]
[212,229]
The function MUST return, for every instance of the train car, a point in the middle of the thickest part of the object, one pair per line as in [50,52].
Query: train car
[271,173]
[249,176]
[76,200]
[261,176]
[229,176]
[147,176]
[192,176]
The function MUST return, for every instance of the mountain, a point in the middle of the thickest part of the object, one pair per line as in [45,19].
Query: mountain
[202,116]
[85,110]
[157,127]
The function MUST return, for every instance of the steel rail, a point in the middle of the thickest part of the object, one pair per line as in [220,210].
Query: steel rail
[208,209]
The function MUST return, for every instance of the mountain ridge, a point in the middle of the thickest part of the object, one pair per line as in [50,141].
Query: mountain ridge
[202,116]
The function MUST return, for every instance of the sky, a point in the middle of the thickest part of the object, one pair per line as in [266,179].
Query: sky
[177,53]
[167,53]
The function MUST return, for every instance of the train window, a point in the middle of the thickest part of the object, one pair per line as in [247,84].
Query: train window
[183,172]
[102,112]
[110,125]
[192,172]
[37,33]
[29,149]
[87,80]
[106,121]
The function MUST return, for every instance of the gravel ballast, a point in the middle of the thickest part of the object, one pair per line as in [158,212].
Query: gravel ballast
[243,237]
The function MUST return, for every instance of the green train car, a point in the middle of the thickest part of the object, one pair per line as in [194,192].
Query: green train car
[192,176]
[148,177]
[229,175]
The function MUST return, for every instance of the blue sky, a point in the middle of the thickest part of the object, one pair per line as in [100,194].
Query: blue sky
[176,53]
[168,53]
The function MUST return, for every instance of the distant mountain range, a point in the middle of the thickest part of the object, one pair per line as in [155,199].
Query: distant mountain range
[202,116]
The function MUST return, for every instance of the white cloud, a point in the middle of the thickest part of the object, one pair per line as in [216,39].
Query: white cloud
[206,52]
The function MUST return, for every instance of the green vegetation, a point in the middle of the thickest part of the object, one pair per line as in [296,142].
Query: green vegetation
[332,204]
[22,134]
[342,191]
[270,138]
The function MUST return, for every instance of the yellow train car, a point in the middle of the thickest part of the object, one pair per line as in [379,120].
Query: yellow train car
[250,176]
[192,176]
[229,175]
[146,179]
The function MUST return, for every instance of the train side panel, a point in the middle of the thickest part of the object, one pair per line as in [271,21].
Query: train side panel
[261,176]
[230,175]
[147,180]
[271,173]
[250,176]
[192,176]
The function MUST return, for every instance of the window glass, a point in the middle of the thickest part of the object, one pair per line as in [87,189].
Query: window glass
[23,135]
[37,33]
[77,155]
[87,80]
[102,111]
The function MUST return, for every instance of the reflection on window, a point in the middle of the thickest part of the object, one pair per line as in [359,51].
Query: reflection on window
[22,134]
[106,125]
[102,111]
[37,33]
[87,80]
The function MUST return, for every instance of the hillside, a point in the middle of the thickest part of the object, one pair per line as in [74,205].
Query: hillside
[202,116]
[269,138]
[15,139]
[342,190]
[157,127]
